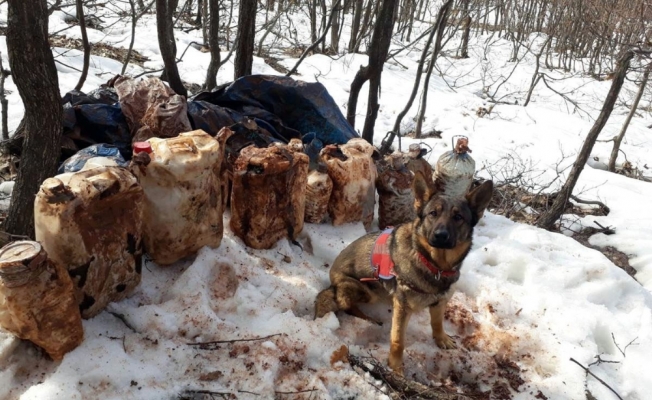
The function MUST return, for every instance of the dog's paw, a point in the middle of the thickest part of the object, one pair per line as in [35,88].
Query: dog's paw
[397,367]
[445,342]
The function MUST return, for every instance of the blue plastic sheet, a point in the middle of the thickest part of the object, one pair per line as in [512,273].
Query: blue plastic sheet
[293,108]
[77,162]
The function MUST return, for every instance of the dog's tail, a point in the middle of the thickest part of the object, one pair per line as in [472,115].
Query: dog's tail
[325,302]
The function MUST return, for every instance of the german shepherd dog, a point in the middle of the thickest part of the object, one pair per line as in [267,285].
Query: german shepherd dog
[426,255]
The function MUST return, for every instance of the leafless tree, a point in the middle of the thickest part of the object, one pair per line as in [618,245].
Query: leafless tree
[378,49]
[164,13]
[618,139]
[35,76]
[548,219]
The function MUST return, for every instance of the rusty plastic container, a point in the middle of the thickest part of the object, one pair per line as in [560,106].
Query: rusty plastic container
[353,172]
[416,162]
[318,192]
[89,222]
[268,194]
[455,169]
[37,299]
[183,194]
[394,186]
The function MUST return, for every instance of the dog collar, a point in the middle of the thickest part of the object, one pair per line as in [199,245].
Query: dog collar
[435,270]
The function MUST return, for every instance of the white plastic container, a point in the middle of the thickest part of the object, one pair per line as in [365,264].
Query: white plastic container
[183,195]
[89,222]
[455,169]
[353,172]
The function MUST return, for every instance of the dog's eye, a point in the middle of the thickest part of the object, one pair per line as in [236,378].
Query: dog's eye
[458,217]
[433,213]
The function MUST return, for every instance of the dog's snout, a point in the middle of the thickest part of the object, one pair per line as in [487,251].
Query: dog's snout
[442,235]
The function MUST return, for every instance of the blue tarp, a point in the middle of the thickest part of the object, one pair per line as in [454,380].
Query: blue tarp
[293,108]
[77,162]
[283,108]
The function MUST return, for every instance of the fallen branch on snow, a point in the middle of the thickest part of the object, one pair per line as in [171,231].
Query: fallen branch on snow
[213,345]
[405,387]
[592,202]
[599,380]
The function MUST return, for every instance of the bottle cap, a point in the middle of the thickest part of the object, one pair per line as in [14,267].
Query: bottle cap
[140,147]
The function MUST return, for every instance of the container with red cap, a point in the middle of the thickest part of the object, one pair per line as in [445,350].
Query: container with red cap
[181,179]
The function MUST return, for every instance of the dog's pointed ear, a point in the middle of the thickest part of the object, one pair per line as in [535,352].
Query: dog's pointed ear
[423,190]
[479,199]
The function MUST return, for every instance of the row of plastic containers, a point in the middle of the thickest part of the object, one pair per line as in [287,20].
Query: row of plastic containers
[93,225]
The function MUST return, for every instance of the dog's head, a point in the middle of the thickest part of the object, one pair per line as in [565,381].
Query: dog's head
[446,222]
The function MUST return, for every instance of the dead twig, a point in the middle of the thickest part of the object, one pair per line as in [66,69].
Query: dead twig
[625,349]
[606,230]
[212,345]
[599,380]
[188,394]
[124,321]
[599,360]
[299,392]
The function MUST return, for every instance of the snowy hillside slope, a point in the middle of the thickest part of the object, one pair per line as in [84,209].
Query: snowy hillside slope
[528,300]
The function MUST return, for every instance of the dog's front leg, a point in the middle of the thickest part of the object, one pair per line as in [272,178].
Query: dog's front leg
[437,322]
[400,318]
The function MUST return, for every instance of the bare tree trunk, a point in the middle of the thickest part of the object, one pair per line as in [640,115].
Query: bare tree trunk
[35,76]
[244,56]
[618,139]
[464,45]
[85,44]
[204,23]
[355,25]
[200,7]
[312,5]
[135,16]
[3,100]
[214,43]
[535,76]
[548,219]
[164,11]
[335,30]
[315,44]
[378,49]
[424,53]
[441,25]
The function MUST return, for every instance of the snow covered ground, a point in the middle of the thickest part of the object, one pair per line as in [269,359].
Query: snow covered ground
[528,300]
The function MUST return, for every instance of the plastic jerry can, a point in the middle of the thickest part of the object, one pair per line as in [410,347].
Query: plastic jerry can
[183,194]
[395,197]
[37,299]
[455,169]
[268,195]
[353,172]
[416,162]
[89,222]
[318,192]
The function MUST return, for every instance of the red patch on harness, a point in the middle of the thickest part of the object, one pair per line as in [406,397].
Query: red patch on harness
[381,261]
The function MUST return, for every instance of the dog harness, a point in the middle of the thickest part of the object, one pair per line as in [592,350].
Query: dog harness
[383,265]
[381,261]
